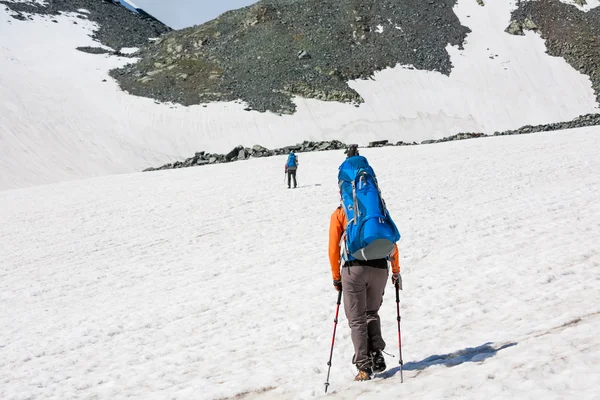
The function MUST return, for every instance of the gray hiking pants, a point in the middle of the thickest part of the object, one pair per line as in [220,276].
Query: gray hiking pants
[292,174]
[363,294]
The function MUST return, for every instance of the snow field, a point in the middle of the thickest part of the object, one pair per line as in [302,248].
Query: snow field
[214,282]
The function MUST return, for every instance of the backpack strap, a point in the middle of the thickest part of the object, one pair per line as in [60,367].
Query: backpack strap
[355,202]
[383,206]
[344,248]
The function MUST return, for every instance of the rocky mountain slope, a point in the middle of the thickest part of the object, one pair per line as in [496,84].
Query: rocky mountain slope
[268,52]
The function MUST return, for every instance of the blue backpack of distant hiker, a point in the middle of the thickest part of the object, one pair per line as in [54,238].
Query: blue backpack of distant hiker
[370,231]
[291,161]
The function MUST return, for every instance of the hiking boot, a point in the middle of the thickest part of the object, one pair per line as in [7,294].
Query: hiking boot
[378,361]
[362,376]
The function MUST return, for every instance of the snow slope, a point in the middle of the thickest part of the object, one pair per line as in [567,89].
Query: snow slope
[60,121]
[213,282]
[589,4]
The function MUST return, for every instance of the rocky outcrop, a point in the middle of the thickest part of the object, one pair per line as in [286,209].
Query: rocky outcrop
[244,153]
[267,53]
[579,122]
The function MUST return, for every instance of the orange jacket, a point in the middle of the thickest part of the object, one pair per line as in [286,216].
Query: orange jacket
[337,225]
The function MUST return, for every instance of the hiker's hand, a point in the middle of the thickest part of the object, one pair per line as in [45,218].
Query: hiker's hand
[397,278]
[337,285]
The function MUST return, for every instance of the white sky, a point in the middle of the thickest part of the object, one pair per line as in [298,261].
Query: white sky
[210,282]
[184,13]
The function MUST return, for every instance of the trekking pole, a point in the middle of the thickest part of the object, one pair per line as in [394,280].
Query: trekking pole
[399,335]
[335,321]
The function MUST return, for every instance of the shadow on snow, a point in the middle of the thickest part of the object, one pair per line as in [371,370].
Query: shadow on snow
[308,186]
[470,354]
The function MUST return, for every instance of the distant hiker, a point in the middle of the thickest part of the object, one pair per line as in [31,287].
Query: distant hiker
[360,247]
[291,166]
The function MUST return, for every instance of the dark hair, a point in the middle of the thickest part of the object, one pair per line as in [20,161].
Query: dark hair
[352,150]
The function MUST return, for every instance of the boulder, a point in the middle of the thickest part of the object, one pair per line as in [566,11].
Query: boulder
[233,153]
[303,55]
[296,147]
[515,28]
[378,143]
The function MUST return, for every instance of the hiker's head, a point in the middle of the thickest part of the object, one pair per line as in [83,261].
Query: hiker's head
[291,151]
[352,150]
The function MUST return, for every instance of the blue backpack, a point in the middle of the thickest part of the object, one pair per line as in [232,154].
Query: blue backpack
[370,232]
[291,161]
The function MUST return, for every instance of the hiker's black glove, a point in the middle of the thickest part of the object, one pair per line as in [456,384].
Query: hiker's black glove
[338,285]
[397,278]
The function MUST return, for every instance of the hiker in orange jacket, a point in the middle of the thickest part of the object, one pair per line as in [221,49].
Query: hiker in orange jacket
[364,286]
